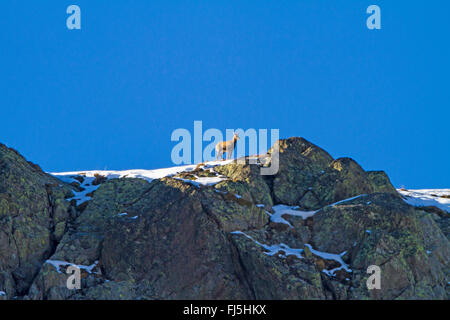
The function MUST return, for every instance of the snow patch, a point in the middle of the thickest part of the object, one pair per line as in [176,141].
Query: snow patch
[205,181]
[272,250]
[126,214]
[281,209]
[81,196]
[58,264]
[427,197]
[331,256]
[345,200]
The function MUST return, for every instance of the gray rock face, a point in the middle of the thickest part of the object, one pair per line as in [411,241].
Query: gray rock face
[169,239]
[31,206]
[381,229]
[301,162]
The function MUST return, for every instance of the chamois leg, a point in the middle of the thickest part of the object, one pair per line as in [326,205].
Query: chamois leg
[219,154]
[229,154]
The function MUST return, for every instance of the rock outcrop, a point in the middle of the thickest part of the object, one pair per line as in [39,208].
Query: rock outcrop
[172,239]
[33,218]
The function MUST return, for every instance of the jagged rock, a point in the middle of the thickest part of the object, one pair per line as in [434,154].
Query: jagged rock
[300,163]
[82,245]
[174,239]
[115,290]
[246,181]
[342,179]
[179,242]
[160,219]
[310,178]
[270,277]
[381,229]
[31,204]
[381,182]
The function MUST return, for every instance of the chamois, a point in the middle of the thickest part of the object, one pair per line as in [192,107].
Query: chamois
[226,146]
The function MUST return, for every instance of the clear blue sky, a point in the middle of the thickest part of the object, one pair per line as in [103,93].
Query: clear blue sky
[110,95]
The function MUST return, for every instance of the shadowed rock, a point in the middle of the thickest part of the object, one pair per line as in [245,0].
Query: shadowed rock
[33,216]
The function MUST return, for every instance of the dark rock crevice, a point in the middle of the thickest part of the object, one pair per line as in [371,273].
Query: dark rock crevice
[241,271]
[53,238]
[52,223]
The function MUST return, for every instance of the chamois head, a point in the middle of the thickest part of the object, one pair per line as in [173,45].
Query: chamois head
[236,137]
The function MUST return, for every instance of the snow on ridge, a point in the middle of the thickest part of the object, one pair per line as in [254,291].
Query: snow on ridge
[149,175]
[427,197]
[205,181]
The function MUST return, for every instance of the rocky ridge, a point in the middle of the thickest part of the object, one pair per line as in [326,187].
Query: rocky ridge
[219,232]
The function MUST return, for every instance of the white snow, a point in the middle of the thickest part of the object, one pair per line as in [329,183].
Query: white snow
[87,185]
[281,209]
[2,293]
[427,197]
[331,256]
[272,250]
[345,200]
[126,214]
[58,264]
[149,175]
[205,181]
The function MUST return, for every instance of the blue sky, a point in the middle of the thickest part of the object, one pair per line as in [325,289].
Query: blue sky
[108,96]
